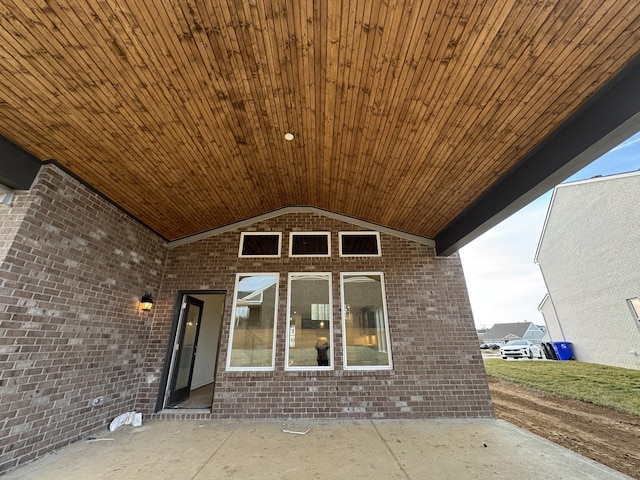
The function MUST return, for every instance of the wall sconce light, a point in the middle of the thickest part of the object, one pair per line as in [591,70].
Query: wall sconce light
[146,302]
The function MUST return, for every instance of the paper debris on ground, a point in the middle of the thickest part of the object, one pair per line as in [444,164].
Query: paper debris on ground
[295,432]
[128,418]
[94,439]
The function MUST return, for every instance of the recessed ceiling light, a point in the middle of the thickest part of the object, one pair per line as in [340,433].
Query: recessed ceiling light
[288,137]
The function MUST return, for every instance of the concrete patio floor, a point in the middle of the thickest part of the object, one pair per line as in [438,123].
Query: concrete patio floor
[331,449]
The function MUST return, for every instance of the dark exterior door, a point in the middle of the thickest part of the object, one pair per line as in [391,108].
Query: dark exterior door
[185,349]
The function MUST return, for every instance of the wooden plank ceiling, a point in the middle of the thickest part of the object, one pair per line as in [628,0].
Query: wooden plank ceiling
[404,112]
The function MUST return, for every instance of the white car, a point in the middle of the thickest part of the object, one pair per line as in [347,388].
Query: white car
[520,349]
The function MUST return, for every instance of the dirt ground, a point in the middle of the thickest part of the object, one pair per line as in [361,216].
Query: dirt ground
[608,437]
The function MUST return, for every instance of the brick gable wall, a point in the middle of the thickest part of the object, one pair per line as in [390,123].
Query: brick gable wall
[74,268]
[437,372]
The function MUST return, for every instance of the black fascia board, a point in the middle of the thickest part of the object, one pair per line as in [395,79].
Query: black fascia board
[611,116]
[18,168]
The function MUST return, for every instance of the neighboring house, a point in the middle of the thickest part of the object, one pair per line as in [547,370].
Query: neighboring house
[481,332]
[550,318]
[588,254]
[501,333]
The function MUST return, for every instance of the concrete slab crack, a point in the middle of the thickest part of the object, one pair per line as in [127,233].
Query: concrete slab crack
[222,444]
[390,451]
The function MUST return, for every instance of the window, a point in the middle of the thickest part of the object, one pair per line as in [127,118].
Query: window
[309,322]
[309,244]
[360,244]
[364,322]
[260,244]
[634,306]
[253,322]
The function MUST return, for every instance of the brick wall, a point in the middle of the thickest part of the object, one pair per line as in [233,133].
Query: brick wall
[437,372]
[72,268]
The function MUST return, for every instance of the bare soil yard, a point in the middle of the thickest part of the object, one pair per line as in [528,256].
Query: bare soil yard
[604,435]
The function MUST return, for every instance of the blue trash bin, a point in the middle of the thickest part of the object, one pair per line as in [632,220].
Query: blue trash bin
[563,350]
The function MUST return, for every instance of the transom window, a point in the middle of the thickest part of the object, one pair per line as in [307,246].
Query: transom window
[309,322]
[260,244]
[310,244]
[364,322]
[253,323]
[360,244]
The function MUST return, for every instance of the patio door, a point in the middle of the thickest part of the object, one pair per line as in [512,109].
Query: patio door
[185,349]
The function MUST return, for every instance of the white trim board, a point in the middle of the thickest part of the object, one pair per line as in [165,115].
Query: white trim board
[286,210]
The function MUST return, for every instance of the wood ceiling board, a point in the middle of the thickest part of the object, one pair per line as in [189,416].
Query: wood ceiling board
[514,113]
[404,113]
[603,123]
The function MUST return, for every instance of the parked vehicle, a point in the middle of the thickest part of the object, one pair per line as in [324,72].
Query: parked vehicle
[520,349]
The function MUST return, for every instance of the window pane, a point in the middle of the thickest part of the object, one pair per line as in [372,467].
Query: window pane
[252,333]
[310,244]
[365,325]
[309,325]
[359,244]
[259,245]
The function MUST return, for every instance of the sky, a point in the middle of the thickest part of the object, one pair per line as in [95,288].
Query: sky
[504,283]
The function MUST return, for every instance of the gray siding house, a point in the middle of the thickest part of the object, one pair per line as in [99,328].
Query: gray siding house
[503,332]
[588,252]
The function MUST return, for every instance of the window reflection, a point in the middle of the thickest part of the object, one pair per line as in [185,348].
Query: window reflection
[252,333]
[365,321]
[309,322]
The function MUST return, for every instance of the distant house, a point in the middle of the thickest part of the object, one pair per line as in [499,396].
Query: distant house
[481,332]
[501,333]
[588,254]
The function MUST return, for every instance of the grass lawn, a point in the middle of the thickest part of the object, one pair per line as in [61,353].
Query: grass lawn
[611,387]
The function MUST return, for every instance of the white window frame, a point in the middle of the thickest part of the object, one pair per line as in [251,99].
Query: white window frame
[343,310]
[244,234]
[322,255]
[233,323]
[363,232]
[293,275]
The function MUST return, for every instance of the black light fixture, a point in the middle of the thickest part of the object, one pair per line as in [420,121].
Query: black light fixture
[146,302]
